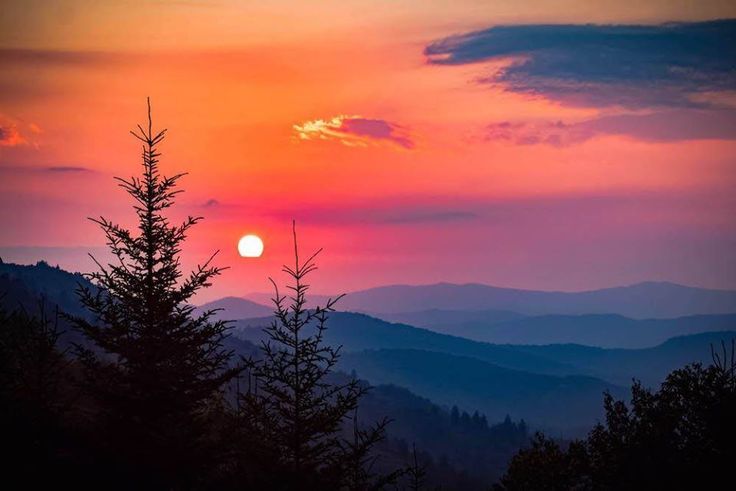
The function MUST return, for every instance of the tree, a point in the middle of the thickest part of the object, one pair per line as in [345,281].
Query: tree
[679,437]
[155,367]
[545,466]
[416,472]
[294,413]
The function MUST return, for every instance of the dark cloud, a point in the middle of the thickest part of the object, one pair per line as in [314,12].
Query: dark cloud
[211,203]
[598,65]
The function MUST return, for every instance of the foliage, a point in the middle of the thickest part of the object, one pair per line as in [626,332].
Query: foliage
[36,391]
[292,413]
[155,367]
[679,437]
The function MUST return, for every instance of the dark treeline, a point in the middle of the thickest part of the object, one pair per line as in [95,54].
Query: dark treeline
[151,394]
[682,436]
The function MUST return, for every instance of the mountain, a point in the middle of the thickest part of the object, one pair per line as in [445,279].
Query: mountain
[24,285]
[603,330]
[565,403]
[640,301]
[357,332]
[236,308]
[453,322]
[649,365]
[492,377]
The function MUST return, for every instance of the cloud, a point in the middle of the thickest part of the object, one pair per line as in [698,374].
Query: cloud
[603,65]
[211,203]
[354,131]
[384,211]
[556,133]
[10,136]
[51,169]
[14,132]
[659,126]
[66,169]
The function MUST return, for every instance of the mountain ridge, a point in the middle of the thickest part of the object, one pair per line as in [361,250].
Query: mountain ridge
[649,299]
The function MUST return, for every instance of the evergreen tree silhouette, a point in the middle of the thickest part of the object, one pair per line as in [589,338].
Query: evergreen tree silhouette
[155,368]
[416,472]
[293,413]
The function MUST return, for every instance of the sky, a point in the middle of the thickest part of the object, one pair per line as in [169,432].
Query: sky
[557,145]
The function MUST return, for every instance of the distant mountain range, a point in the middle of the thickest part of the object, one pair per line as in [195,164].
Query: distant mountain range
[357,332]
[649,365]
[568,380]
[639,301]
[508,327]
[556,385]
[603,330]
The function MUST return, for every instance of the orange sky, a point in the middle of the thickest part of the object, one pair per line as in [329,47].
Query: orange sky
[404,171]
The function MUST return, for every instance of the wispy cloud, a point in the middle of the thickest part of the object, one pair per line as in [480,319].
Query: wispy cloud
[387,212]
[354,131]
[10,136]
[554,133]
[14,132]
[66,169]
[658,126]
[597,65]
[51,169]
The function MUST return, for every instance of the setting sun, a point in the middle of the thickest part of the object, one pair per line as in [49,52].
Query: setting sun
[250,246]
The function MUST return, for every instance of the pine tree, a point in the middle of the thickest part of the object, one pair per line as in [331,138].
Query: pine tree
[417,472]
[155,367]
[294,411]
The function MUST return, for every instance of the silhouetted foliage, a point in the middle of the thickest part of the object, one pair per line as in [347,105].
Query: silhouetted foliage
[679,437]
[36,391]
[417,472]
[153,367]
[293,417]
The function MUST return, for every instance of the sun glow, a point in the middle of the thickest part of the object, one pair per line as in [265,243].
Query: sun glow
[250,246]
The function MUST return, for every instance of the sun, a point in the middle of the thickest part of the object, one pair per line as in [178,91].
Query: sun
[250,246]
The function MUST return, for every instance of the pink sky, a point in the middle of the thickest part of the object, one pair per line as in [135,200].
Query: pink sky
[408,157]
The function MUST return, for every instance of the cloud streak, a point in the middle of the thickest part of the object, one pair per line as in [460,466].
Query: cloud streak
[51,169]
[63,169]
[661,126]
[354,131]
